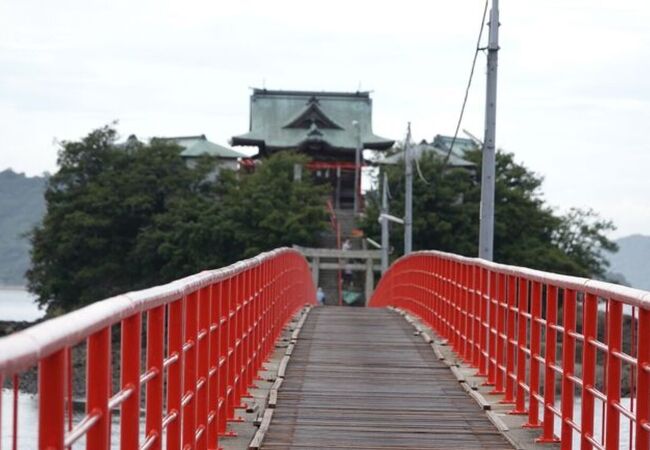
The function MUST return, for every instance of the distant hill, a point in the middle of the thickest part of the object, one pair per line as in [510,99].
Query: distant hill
[21,207]
[633,260]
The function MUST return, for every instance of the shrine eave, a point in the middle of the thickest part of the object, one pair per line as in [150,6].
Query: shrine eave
[375,143]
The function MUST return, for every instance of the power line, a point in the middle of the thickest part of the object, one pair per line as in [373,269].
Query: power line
[462,109]
[469,83]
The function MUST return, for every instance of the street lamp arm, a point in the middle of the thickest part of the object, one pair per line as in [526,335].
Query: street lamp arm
[390,218]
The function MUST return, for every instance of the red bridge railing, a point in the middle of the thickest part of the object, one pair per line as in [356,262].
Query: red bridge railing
[204,339]
[572,354]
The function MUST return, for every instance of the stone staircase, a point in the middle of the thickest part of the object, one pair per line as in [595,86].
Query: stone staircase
[328,279]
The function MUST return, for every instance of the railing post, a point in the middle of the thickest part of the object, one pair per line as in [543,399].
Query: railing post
[239,337]
[250,331]
[568,366]
[548,434]
[203,366]
[492,329]
[255,314]
[51,410]
[476,308]
[511,347]
[130,370]
[522,322]
[484,305]
[223,374]
[213,371]
[444,297]
[500,335]
[589,331]
[643,384]
[154,388]
[189,372]
[98,388]
[613,389]
[232,338]
[250,302]
[467,310]
[175,336]
[456,304]
[535,345]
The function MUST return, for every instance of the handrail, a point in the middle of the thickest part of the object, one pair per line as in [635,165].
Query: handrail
[207,335]
[511,322]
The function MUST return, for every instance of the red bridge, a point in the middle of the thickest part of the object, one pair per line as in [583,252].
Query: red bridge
[570,355]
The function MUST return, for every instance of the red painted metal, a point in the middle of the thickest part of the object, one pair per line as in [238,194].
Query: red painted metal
[643,386]
[154,387]
[535,357]
[323,165]
[549,364]
[521,310]
[98,387]
[206,337]
[15,418]
[130,361]
[511,347]
[51,411]
[175,339]
[496,317]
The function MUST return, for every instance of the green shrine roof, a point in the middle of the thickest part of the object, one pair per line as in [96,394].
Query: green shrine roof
[297,119]
[195,146]
[440,147]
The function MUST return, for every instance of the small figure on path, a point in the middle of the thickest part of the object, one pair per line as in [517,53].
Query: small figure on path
[320,296]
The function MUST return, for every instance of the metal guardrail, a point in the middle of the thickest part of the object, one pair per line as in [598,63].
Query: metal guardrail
[506,322]
[205,338]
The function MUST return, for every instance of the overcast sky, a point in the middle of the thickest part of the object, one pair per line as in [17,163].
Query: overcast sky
[574,83]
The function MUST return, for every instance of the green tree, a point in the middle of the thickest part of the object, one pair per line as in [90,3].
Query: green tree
[239,217]
[98,202]
[527,231]
[124,217]
[268,209]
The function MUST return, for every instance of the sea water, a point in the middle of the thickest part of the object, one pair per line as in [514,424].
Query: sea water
[16,304]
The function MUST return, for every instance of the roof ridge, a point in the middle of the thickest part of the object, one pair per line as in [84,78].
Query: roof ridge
[354,94]
[175,138]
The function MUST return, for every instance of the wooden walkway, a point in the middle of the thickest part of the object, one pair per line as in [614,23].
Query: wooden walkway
[359,378]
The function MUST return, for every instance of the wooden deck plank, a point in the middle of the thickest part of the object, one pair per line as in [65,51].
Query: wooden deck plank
[359,378]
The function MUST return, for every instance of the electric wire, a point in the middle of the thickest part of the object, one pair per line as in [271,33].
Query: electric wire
[469,84]
[464,104]
[417,166]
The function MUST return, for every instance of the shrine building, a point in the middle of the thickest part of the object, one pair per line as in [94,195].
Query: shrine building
[326,126]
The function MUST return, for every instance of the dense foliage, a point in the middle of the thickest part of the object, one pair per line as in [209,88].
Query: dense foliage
[527,231]
[123,217]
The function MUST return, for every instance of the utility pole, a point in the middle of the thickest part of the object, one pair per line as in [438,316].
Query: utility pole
[486,233]
[357,168]
[384,225]
[408,199]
